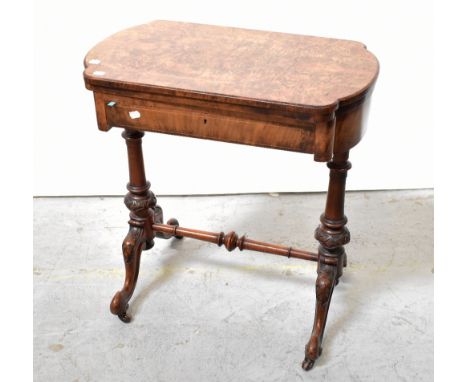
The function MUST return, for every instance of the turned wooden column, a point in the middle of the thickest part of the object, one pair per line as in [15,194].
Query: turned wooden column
[139,200]
[143,211]
[332,235]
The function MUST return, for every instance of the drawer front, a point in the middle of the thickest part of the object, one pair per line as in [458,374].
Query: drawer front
[176,120]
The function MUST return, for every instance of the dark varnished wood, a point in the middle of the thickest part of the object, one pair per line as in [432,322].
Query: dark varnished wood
[205,124]
[298,93]
[332,235]
[144,212]
[277,90]
[232,241]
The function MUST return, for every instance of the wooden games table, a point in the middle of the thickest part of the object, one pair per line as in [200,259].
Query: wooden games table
[275,90]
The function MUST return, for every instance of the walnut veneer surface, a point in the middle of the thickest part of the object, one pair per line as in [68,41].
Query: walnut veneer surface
[282,91]
[249,66]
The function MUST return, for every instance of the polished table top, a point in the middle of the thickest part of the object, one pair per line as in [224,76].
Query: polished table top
[282,91]
[233,65]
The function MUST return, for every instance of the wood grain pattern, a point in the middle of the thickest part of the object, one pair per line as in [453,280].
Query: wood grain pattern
[289,92]
[205,124]
[237,65]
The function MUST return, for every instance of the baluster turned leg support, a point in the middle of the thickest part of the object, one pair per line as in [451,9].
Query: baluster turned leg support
[144,212]
[332,235]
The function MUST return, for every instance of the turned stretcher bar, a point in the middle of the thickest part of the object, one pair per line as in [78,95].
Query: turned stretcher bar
[232,241]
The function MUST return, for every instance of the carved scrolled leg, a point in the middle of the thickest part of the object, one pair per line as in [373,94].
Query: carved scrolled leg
[132,246]
[143,211]
[323,289]
[332,236]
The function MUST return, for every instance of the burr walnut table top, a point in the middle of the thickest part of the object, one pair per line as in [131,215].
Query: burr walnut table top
[232,65]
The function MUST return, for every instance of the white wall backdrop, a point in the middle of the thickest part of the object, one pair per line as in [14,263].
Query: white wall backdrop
[73,158]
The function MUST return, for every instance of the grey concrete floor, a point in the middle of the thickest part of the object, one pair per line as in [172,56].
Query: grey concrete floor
[201,313]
